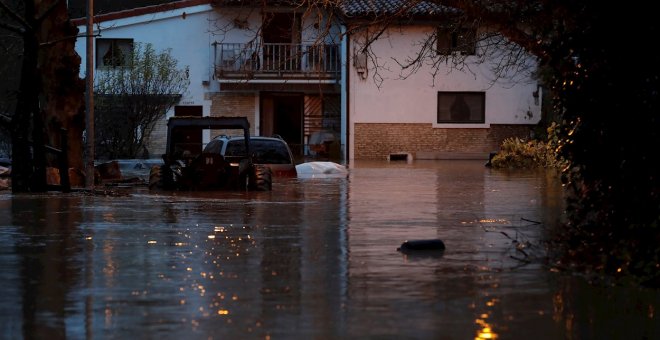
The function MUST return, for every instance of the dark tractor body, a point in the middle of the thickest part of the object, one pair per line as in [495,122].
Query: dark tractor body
[183,170]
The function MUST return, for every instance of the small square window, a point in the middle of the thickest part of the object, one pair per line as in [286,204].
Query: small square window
[113,52]
[462,40]
[462,107]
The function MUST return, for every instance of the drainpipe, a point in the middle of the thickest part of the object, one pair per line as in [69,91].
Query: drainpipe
[89,97]
[344,96]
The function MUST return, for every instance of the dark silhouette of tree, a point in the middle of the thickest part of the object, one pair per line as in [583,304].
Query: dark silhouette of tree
[11,45]
[50,92]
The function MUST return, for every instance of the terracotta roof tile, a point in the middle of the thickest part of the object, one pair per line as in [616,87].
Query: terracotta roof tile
[350,8]
[358,8]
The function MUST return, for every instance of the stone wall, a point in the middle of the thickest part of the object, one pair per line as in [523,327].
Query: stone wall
[422,141]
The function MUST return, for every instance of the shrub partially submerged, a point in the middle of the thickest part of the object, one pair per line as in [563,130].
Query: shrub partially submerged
[526,154]
[519,153]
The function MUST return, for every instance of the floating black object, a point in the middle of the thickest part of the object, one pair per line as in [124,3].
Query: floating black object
[422,245]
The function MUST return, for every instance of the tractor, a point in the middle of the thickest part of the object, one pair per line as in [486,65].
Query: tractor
[186,167]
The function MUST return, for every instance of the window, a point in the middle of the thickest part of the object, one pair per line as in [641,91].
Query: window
[214,146]
[264,151]
[461,107]
[462,40]
[113,52]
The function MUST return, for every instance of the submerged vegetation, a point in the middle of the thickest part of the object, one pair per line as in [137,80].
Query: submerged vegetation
[526,154]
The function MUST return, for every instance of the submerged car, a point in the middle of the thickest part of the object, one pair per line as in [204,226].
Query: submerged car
[272,152]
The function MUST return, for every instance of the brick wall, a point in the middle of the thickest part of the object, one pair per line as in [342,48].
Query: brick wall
[378,141]
[157,140]
[223,104]
[234,104]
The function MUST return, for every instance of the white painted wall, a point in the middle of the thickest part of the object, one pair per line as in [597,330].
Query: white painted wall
[385,97]
[312,26]
[186,36]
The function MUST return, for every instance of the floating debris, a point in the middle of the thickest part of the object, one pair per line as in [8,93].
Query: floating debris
[422,245]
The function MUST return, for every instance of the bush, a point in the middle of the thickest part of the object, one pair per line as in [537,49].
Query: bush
[520,153]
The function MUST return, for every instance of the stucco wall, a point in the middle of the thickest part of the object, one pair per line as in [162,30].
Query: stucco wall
[314,27]
[378,141]
[391,94]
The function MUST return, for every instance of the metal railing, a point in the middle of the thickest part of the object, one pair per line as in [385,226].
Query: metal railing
[309,60]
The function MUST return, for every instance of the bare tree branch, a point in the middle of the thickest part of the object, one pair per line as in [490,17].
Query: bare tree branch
[12,28]
[15,15]
[47,11]
[5,119]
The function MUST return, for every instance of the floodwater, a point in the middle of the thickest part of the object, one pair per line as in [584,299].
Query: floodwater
[316,258]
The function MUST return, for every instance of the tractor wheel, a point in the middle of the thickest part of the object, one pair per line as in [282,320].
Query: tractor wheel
[161,177]
[260,178]
[155,178]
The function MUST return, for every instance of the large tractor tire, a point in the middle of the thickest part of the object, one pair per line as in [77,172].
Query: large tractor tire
[161,177]
[155,178]
[260,178]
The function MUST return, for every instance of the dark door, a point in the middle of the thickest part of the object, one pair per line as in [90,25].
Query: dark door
[188,139]
[282,114]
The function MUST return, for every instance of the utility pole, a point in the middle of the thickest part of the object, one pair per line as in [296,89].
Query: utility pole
[89,97]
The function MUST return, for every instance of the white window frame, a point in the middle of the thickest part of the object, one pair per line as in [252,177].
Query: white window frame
[449,109]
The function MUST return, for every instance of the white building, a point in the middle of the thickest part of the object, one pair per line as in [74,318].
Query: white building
[296,73]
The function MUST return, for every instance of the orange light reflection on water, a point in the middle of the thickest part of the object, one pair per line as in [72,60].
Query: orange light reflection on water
[485,330]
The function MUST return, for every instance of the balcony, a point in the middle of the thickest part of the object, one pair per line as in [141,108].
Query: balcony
[276,61]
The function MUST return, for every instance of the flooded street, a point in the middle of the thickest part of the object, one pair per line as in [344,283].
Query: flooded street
[315,258]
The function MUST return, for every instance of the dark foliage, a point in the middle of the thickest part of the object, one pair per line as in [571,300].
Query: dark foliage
[608,96]
[129,101]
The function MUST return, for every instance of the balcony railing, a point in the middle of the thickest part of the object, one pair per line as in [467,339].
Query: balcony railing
[276,61]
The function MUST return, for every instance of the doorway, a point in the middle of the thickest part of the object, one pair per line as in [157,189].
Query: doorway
[282,114]
[281,34]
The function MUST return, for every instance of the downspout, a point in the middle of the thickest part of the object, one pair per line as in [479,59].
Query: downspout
[89,97]
[345,99]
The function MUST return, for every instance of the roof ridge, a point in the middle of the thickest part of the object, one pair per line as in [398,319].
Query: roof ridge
[127,13]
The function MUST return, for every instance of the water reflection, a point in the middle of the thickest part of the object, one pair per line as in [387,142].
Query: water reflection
[314,258]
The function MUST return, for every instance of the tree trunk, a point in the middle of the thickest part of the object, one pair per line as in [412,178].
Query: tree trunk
[26,106]
[59,67]
[50,98]
[62,88]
